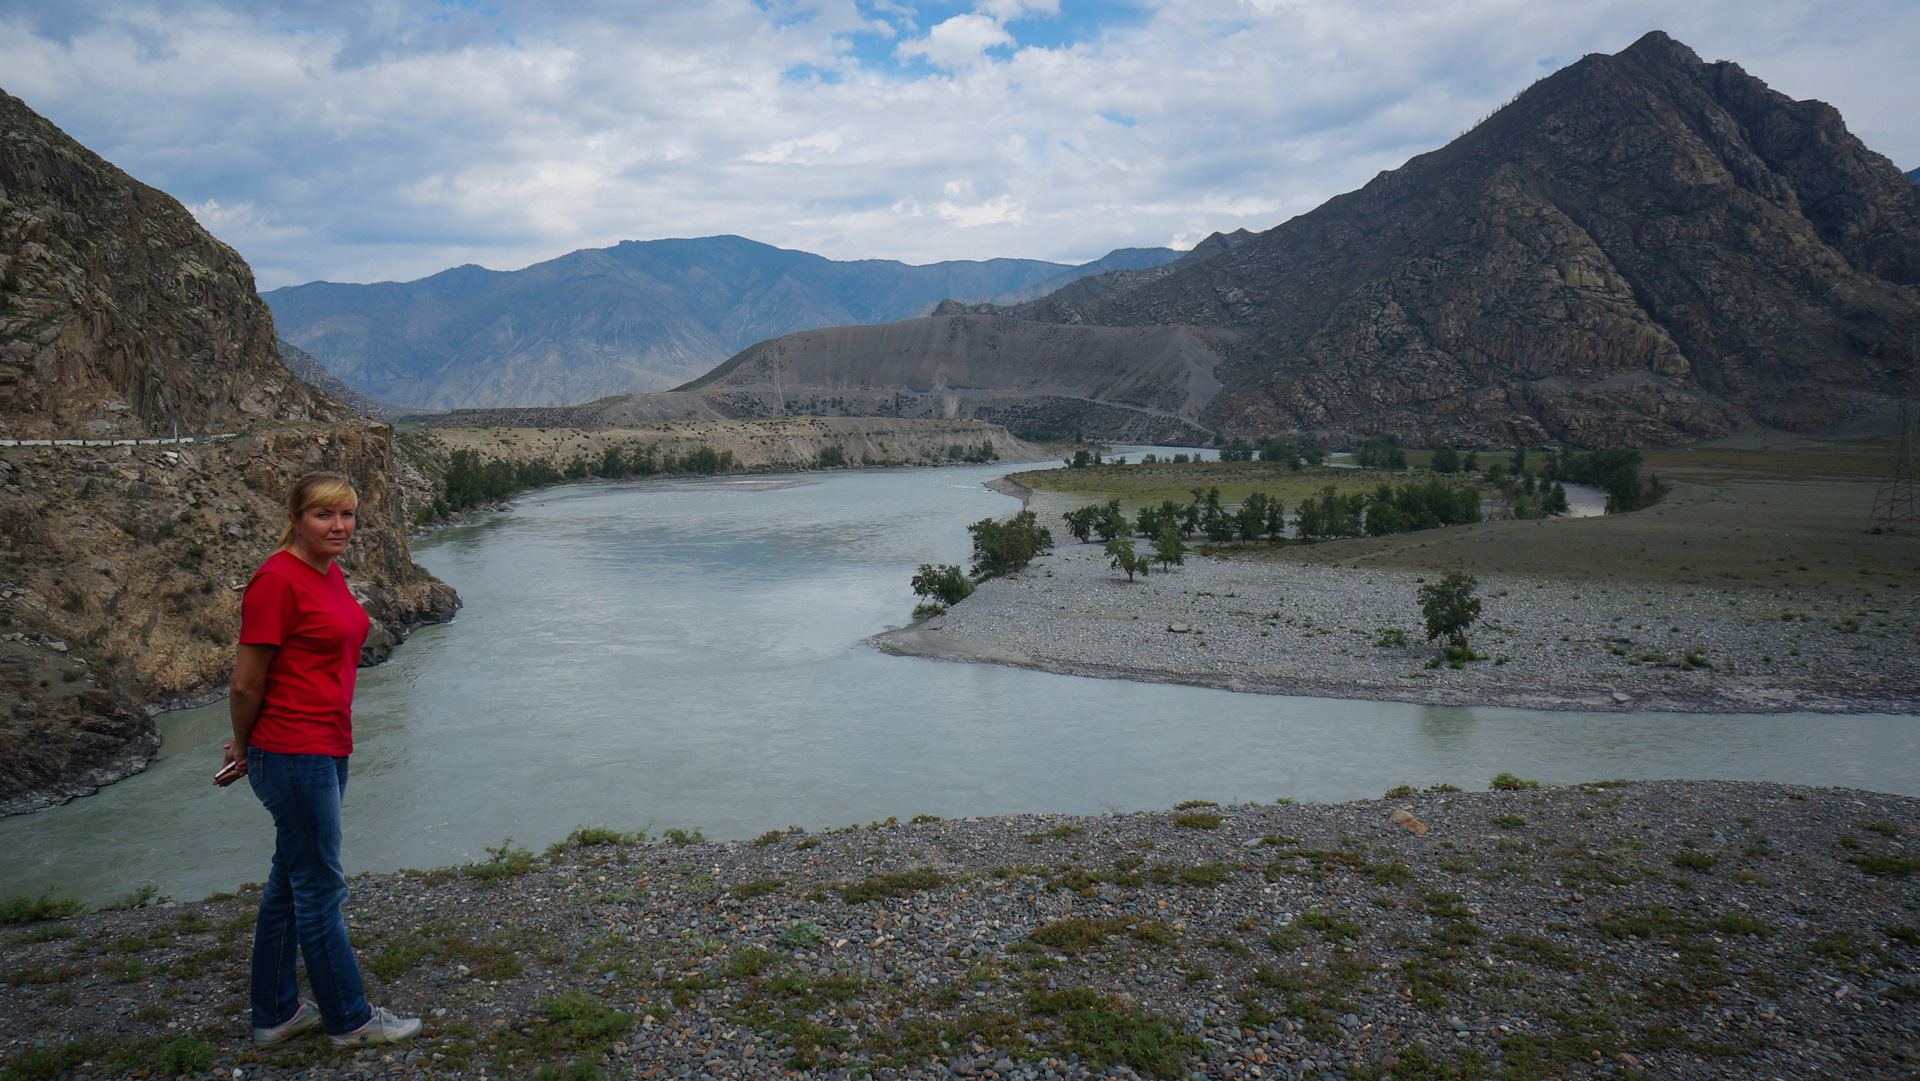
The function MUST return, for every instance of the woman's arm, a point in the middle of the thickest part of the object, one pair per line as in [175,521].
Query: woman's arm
[243,703]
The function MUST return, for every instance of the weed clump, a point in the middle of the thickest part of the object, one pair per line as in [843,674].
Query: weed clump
[895,884]
[1507,782]
[501,864]
[20,908]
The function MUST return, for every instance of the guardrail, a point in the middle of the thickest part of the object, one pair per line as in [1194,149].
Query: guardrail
[117,442]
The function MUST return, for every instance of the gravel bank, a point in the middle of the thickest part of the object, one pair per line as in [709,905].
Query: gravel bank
[1661,929]
[1551,644]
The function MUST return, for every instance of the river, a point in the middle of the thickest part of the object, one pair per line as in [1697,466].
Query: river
[682,654]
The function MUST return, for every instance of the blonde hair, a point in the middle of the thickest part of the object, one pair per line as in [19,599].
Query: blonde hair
[315,490]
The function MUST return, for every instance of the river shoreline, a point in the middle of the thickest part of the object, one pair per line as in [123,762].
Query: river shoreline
[1666,929]
[1291,629]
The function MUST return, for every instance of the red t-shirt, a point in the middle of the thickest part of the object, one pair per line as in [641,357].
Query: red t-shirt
[319,628]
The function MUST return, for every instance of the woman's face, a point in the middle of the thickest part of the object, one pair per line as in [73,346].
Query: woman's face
[323,532]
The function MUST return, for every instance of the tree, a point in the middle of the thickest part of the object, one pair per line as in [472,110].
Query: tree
[1557,500]
[1122,558]
[1450,607]
[1080,522]
[1109,522]
[832,456]
[1005,547]
[1169,547]
[945,583]
[1445,460]
[1237,451]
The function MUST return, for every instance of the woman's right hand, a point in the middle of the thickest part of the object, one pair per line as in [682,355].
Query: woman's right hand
[233,765]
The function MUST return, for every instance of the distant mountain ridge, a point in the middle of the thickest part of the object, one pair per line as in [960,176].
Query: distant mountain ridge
[641,315]
[1642,249]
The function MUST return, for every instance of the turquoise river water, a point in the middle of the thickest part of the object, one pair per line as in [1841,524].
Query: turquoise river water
[692,655]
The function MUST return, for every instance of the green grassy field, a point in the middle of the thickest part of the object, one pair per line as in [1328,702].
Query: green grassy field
[1791,514]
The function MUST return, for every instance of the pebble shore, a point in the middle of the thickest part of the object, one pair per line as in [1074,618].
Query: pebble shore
[1269,626]
[1647,929]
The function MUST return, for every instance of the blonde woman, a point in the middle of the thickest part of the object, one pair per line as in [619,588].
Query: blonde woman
[292,706]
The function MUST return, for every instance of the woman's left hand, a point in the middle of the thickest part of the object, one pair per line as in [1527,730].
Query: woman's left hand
[233,765]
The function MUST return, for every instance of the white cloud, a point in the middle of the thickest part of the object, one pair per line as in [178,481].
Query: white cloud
[958,43]
[375,139]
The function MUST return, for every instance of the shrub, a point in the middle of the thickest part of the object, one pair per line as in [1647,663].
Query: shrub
[20,908]
[1391,638]
[1005,547]
[1507,782]
[1121,557]
[945,583]
[1450,607]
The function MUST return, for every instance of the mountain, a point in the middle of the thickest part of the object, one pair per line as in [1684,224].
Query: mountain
[120,316]
[315,374]
[641,315]
[1119,259]
[1641,249]
[1914,175]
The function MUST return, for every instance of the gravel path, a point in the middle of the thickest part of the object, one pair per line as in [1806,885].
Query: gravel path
[1280,628]
[1659,929]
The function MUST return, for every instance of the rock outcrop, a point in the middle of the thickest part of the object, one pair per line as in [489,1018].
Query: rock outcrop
[1642,249]
[120,565]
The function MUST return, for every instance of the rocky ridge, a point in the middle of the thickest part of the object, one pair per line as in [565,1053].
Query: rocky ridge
[120,564]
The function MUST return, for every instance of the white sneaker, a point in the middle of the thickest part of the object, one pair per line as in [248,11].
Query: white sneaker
[382,1027]
[304,1018]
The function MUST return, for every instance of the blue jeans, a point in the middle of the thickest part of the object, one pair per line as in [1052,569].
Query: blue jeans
[300,906]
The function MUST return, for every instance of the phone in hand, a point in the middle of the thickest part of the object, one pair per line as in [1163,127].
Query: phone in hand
[227,773]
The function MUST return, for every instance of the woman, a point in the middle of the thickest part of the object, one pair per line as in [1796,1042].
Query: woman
[292,706]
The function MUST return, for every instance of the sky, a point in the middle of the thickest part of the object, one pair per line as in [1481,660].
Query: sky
[368,140]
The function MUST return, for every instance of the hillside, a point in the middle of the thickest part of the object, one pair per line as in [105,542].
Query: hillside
[120,565]
[1641,249]
[639,316]
[315,374]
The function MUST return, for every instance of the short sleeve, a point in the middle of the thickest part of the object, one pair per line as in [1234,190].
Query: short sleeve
[267,611]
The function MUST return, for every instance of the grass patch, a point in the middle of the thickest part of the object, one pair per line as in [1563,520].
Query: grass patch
[1108,1031]
[896,884]
[563,1041]
[1198,821]
[759,887]
[1879,863]
[1330,927]
[1507,782]
[1695,861]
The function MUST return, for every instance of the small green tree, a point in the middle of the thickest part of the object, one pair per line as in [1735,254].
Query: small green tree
[945,583]
[1110,522]
[1170,547]
[1445,460]
[1080,522]
[1450,607]
[1123,558]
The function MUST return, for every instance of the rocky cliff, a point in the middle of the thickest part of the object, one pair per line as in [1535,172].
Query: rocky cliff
[120,564]
[1642,249]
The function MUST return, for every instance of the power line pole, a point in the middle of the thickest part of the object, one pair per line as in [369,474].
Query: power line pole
[1894,508]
